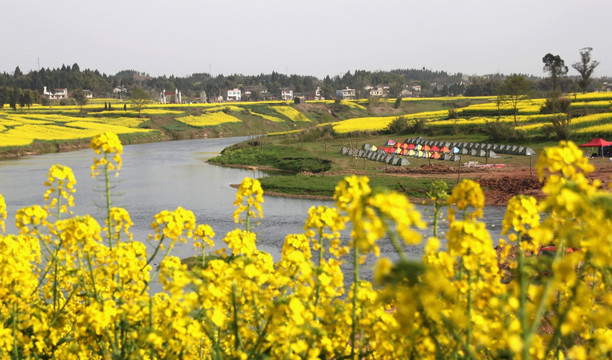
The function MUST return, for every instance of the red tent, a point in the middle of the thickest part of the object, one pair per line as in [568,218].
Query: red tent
[597,142]
[435,148]
[411,146]
[425,148]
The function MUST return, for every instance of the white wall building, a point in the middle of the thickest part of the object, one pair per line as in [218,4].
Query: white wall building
[345,94]
[234,95]
[58,94]
[286,94]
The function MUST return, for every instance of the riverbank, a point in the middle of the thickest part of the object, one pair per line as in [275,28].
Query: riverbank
[514,175]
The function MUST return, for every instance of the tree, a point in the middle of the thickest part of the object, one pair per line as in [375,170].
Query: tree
[26,98]
[79,96]
[139,97]
[514,89]
[585,67]
[555,67]
[14,98]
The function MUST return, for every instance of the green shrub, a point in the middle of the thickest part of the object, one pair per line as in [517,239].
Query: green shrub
[556,105]
[401,125]
[502,132]
[560,127]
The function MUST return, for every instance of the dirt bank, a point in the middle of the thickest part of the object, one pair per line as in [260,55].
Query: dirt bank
[499,184]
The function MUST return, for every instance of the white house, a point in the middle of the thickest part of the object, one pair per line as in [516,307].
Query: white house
[234,95]
[286,94]
[315,94]
[58,94]
[345,94]
[375,91]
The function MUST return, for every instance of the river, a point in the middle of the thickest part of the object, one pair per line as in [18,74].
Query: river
[163,176]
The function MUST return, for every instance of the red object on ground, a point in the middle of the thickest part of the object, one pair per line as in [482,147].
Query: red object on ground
[596,142]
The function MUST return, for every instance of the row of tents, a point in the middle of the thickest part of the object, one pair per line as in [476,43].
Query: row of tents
[463,148]
[432,152]
[397,159]
[397,153]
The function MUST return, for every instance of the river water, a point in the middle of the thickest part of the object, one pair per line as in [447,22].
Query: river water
[163,176]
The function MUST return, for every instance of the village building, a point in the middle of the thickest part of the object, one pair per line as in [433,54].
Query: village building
[254,92]
[170,97]
[286,94]
[234,95]
[345,94]
[315,94]
[61,93]
[375,91]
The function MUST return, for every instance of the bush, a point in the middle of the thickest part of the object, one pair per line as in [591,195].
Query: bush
[67,102]
[560,127]
[556,105]
[503,132]
[398,102]
[399,125]
[402,125]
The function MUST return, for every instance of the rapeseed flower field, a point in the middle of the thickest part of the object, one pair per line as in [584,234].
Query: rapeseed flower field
[73,287]
[208,119]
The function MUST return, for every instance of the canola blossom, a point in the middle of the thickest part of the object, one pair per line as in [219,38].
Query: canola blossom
[71,288]
[268,117]
[208,119]
[291,113]
[362,124]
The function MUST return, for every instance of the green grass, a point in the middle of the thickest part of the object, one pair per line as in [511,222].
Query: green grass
[325,185]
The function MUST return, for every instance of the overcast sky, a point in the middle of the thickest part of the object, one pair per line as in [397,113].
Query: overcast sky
[312,37]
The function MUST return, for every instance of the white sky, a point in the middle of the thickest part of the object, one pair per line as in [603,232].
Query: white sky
[311,37]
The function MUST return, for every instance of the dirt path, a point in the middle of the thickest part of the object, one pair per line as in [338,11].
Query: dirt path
[500,184]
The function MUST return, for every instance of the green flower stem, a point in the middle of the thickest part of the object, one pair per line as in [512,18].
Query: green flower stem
[435,220]
[248,218]
[395,241]
[108,202]
[154,252]
[238,339]
[523,301]
[59,204]
[14,315]
[318,289]
[152,350]
[469,309]
[541,306]
[355,291]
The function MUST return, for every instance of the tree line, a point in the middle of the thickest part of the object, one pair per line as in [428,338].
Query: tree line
[431,83]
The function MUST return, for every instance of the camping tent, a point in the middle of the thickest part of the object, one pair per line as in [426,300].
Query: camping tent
[435,148]
[390,142]
[597,142]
